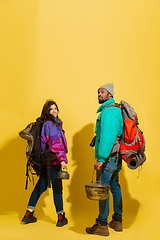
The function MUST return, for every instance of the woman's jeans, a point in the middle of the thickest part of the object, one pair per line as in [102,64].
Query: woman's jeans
[110,175]
[42,184]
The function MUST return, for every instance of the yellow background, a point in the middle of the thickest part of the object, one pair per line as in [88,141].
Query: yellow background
[64,50]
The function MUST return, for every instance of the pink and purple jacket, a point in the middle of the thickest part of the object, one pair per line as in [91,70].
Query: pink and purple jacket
[53,136]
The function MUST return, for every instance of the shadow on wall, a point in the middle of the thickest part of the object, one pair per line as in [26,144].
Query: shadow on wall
[14,197]
[12,178]
[83,210]
[130,205]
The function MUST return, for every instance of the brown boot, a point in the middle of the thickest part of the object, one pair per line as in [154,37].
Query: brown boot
[117,226]
[98,229]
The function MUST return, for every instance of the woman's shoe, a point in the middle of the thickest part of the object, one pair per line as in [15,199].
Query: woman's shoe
[62,220]
[29,218]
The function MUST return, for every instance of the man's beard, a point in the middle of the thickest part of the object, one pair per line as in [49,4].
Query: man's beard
[102,101]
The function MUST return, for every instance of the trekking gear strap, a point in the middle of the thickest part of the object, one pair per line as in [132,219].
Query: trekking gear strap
[27,174]
[49,171]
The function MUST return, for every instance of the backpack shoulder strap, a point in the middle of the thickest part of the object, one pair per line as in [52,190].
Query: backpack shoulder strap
[113,105]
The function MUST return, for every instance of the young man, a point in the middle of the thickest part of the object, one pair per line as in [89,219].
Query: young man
[109,126]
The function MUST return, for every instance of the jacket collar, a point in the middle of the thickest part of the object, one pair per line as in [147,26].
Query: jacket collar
[105,104]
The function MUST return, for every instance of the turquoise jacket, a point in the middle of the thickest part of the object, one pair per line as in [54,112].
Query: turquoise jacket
[109,126]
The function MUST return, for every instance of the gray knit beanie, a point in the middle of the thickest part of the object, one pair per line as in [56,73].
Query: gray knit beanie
[109,87]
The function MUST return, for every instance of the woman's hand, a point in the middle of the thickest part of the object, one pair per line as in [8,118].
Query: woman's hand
[63,164]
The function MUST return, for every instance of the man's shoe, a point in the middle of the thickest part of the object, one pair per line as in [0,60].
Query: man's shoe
[98,229]
[117,226]
[29,218]
[62,220]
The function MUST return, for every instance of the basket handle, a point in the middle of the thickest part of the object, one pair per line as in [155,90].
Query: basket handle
[100,175]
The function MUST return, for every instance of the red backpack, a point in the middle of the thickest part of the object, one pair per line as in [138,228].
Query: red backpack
[132,142]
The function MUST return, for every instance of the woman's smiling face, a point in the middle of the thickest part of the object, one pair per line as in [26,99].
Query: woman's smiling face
[53,110]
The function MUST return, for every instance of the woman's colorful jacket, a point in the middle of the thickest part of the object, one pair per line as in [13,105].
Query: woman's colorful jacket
[53,136]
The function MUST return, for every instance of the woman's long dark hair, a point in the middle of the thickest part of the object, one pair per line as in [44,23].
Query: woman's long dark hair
[45,115]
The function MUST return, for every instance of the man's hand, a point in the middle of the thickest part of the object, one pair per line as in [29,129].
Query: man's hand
[63,164]
[98,165]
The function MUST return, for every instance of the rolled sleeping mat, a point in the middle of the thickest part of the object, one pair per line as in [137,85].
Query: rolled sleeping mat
[137,161]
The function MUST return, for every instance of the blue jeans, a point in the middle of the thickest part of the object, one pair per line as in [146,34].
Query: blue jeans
[41,187]
[110,176]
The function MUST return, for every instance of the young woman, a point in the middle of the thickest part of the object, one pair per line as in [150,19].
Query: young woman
[53,139]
